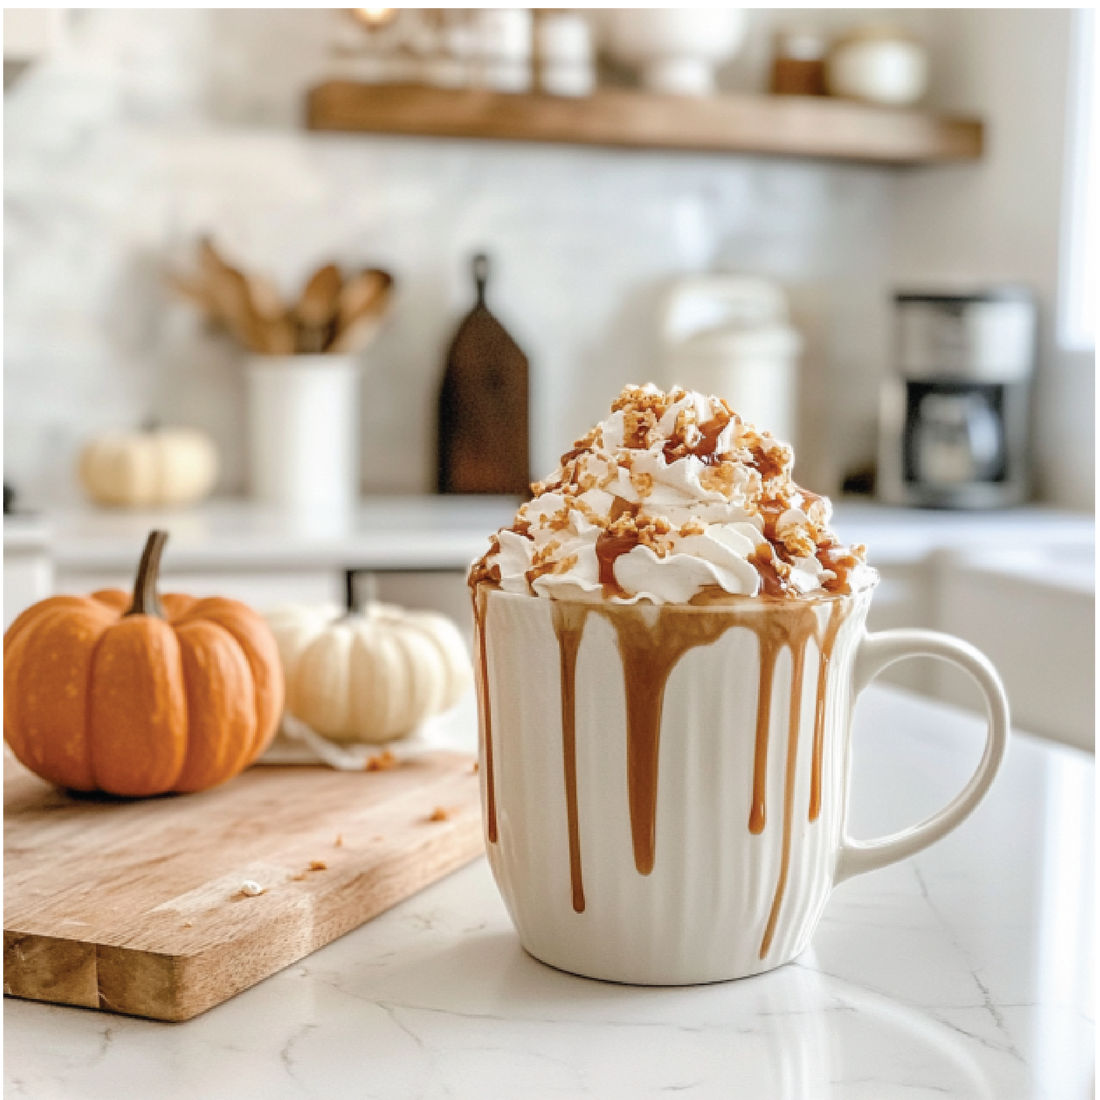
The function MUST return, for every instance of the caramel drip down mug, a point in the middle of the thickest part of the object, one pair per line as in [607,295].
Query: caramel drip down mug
[665,788]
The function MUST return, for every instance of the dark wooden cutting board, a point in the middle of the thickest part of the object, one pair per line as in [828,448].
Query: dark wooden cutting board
[483,417]
[136,906]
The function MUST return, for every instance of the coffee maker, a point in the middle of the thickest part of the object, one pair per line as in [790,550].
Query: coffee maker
[955,409]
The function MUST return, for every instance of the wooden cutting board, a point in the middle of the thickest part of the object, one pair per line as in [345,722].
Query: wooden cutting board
[483,439]
[136,906]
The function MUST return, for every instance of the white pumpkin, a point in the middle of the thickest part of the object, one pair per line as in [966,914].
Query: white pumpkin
[372,676]
[149,469]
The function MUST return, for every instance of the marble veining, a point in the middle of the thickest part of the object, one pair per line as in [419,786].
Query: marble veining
[962,973]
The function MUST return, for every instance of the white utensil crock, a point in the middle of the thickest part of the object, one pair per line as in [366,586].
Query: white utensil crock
[303,431]
[721,866]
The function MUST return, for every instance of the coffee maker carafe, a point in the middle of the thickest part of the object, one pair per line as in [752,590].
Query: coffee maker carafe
[955,409]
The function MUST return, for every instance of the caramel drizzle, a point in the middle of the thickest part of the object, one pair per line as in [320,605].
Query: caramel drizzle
[569,620]
[758,813]
[832,629]
[481,605]
[705,448]
[650,651]
[791,629]
[651,644]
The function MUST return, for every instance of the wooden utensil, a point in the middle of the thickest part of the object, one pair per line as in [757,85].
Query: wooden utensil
[483,433]
[363,304]
[266,300]
[330,316]
[361,292]
[273,318]
[143,907]
[229,292]
[316,310]
[357,336]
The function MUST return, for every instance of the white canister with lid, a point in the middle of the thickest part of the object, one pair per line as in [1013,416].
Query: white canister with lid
[729,335]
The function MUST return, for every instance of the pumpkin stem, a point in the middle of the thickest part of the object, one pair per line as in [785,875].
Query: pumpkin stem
[146,600]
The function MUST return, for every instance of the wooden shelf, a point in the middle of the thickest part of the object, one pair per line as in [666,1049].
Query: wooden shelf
[830,129]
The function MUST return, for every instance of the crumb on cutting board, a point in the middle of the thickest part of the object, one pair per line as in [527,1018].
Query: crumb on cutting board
[251,889]
[381,763]
[314,865]
[475,768]
[339,840]
[440,813]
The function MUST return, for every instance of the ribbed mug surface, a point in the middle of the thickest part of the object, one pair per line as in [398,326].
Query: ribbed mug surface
[696,849]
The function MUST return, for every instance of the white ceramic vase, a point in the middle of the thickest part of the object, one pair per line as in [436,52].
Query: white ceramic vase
[676,49]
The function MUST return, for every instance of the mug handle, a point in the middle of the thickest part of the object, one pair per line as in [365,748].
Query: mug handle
[876,651]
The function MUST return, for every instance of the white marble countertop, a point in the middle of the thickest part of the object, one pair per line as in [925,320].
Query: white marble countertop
[964,972]
[906,535]
[400,533]
[432,532]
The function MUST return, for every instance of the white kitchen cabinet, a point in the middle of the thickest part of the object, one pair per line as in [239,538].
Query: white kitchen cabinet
[447,593]
[901,600]
[1018,584]
[28,568]
[1032,612]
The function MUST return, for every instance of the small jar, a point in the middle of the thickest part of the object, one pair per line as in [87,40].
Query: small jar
[506,48]
[566,58]
[798,66]
[878,64]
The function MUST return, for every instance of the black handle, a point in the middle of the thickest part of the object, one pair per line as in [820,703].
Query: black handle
[351,589]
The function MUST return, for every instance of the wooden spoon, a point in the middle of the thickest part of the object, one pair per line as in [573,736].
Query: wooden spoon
[357,330]
[362,306]
[357,335]
[359,292]
[266,300]
[230,295]
[316,309]
[273,318]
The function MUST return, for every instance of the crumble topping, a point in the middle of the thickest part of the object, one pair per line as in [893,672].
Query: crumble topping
[671,496]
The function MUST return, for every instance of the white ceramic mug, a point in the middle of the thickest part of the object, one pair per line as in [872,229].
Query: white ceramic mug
[660,807]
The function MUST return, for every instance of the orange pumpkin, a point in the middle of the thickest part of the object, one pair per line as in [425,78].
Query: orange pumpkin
[138,696]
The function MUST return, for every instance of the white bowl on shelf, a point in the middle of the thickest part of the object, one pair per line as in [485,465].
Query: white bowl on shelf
[676,49]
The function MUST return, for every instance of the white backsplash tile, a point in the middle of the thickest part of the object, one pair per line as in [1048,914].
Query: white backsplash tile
[154,127]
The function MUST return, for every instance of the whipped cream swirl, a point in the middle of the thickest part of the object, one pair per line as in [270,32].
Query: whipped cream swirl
[672,499]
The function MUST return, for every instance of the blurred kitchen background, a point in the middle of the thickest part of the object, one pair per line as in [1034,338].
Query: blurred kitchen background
[602,162]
